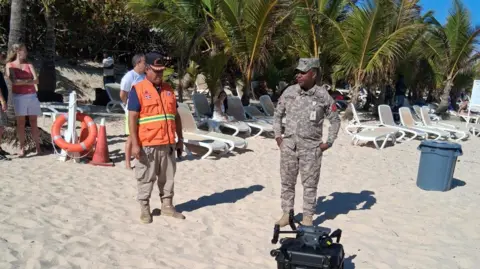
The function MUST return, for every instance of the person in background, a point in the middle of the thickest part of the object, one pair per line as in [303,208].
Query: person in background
[400,91]
[131,78]
[108,69]
[24,82]
[154,123]
[3,110]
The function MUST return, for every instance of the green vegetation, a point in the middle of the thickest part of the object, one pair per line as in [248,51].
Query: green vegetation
[365,44]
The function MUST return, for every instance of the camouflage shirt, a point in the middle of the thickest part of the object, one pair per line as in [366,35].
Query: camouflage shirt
[304,112]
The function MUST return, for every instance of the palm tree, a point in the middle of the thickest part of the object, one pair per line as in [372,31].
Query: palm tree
[373,39]
[316,25]
[213,67]
[17,23]
[184,22]
[47,76]
[451,49]
[247,29]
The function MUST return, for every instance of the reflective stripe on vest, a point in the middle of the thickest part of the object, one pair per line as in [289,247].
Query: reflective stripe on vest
[162,117]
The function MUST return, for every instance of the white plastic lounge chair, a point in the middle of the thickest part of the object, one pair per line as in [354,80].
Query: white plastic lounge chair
[418,113]
[386,119]
[459,134]
[355,125]
[52,109]
[188,123]
[202,110]
[473,127]
[267,105]
[406,118]
[189,127]
[235,108]
[474,117]
[254,113]
[113,91]
[51,112]
[375,135]
[436,119]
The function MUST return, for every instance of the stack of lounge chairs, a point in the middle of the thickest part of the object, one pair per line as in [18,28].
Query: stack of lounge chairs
[420,124]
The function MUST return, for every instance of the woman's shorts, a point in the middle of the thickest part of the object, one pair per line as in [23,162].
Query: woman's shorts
[26,105]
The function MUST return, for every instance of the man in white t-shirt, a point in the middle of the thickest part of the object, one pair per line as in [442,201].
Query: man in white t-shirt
[131,78]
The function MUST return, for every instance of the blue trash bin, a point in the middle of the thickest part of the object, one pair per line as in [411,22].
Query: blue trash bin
[437,164]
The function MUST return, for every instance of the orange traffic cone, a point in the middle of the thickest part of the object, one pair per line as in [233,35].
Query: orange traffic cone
[100,157]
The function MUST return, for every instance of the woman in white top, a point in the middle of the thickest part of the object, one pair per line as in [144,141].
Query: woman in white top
[220,106]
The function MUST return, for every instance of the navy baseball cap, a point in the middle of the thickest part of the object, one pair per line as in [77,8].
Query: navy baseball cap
[156,61]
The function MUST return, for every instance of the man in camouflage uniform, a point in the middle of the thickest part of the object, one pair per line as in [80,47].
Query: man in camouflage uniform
[304,106]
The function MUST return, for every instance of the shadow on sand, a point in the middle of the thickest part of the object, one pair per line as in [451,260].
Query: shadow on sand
[339,203]
[228,196]
[342,203]
[348,262]
[457,183]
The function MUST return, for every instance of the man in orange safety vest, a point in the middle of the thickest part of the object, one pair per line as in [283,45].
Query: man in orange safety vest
[154,124]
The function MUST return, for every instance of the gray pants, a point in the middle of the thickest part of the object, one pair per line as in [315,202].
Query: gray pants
[157,163]
[308,162]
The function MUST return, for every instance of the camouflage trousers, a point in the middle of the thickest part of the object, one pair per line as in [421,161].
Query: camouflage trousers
[308,162]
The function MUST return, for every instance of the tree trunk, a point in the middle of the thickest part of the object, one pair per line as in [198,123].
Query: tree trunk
[16,35]
[443,107]
[47,76]
[248,87]
[17,23]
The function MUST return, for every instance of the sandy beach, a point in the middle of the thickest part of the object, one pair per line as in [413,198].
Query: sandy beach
[67,215]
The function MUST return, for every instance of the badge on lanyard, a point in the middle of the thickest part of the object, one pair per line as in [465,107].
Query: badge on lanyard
[313,114]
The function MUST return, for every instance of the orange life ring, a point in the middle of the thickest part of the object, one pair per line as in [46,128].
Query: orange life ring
[84,145]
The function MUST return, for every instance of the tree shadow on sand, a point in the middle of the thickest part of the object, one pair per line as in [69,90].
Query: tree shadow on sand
[227,196]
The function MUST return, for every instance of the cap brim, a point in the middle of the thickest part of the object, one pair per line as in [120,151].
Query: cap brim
[158,68]
[301,69]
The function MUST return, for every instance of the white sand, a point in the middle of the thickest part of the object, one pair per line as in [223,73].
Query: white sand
[66,215]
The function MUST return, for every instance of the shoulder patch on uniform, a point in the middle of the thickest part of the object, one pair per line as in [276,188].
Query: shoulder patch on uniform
[334,107]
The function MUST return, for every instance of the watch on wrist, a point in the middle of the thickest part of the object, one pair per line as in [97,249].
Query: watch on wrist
[329,144]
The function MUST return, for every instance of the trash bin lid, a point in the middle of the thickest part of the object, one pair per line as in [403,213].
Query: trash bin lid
[441,145]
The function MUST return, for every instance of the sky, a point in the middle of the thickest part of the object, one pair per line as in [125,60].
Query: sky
[442,8]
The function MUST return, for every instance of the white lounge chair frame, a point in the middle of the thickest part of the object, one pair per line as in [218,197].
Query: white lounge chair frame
[267,105]
[386,119]
[238,112]
[201,106]
[113,91]
[406,118]
[441,126]
[254,113]
[188,123]
[53,109]
[375,135]
[231,141]
[355,125]
[473,127]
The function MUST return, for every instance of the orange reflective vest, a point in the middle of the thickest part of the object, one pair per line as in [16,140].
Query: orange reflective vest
[156,121]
